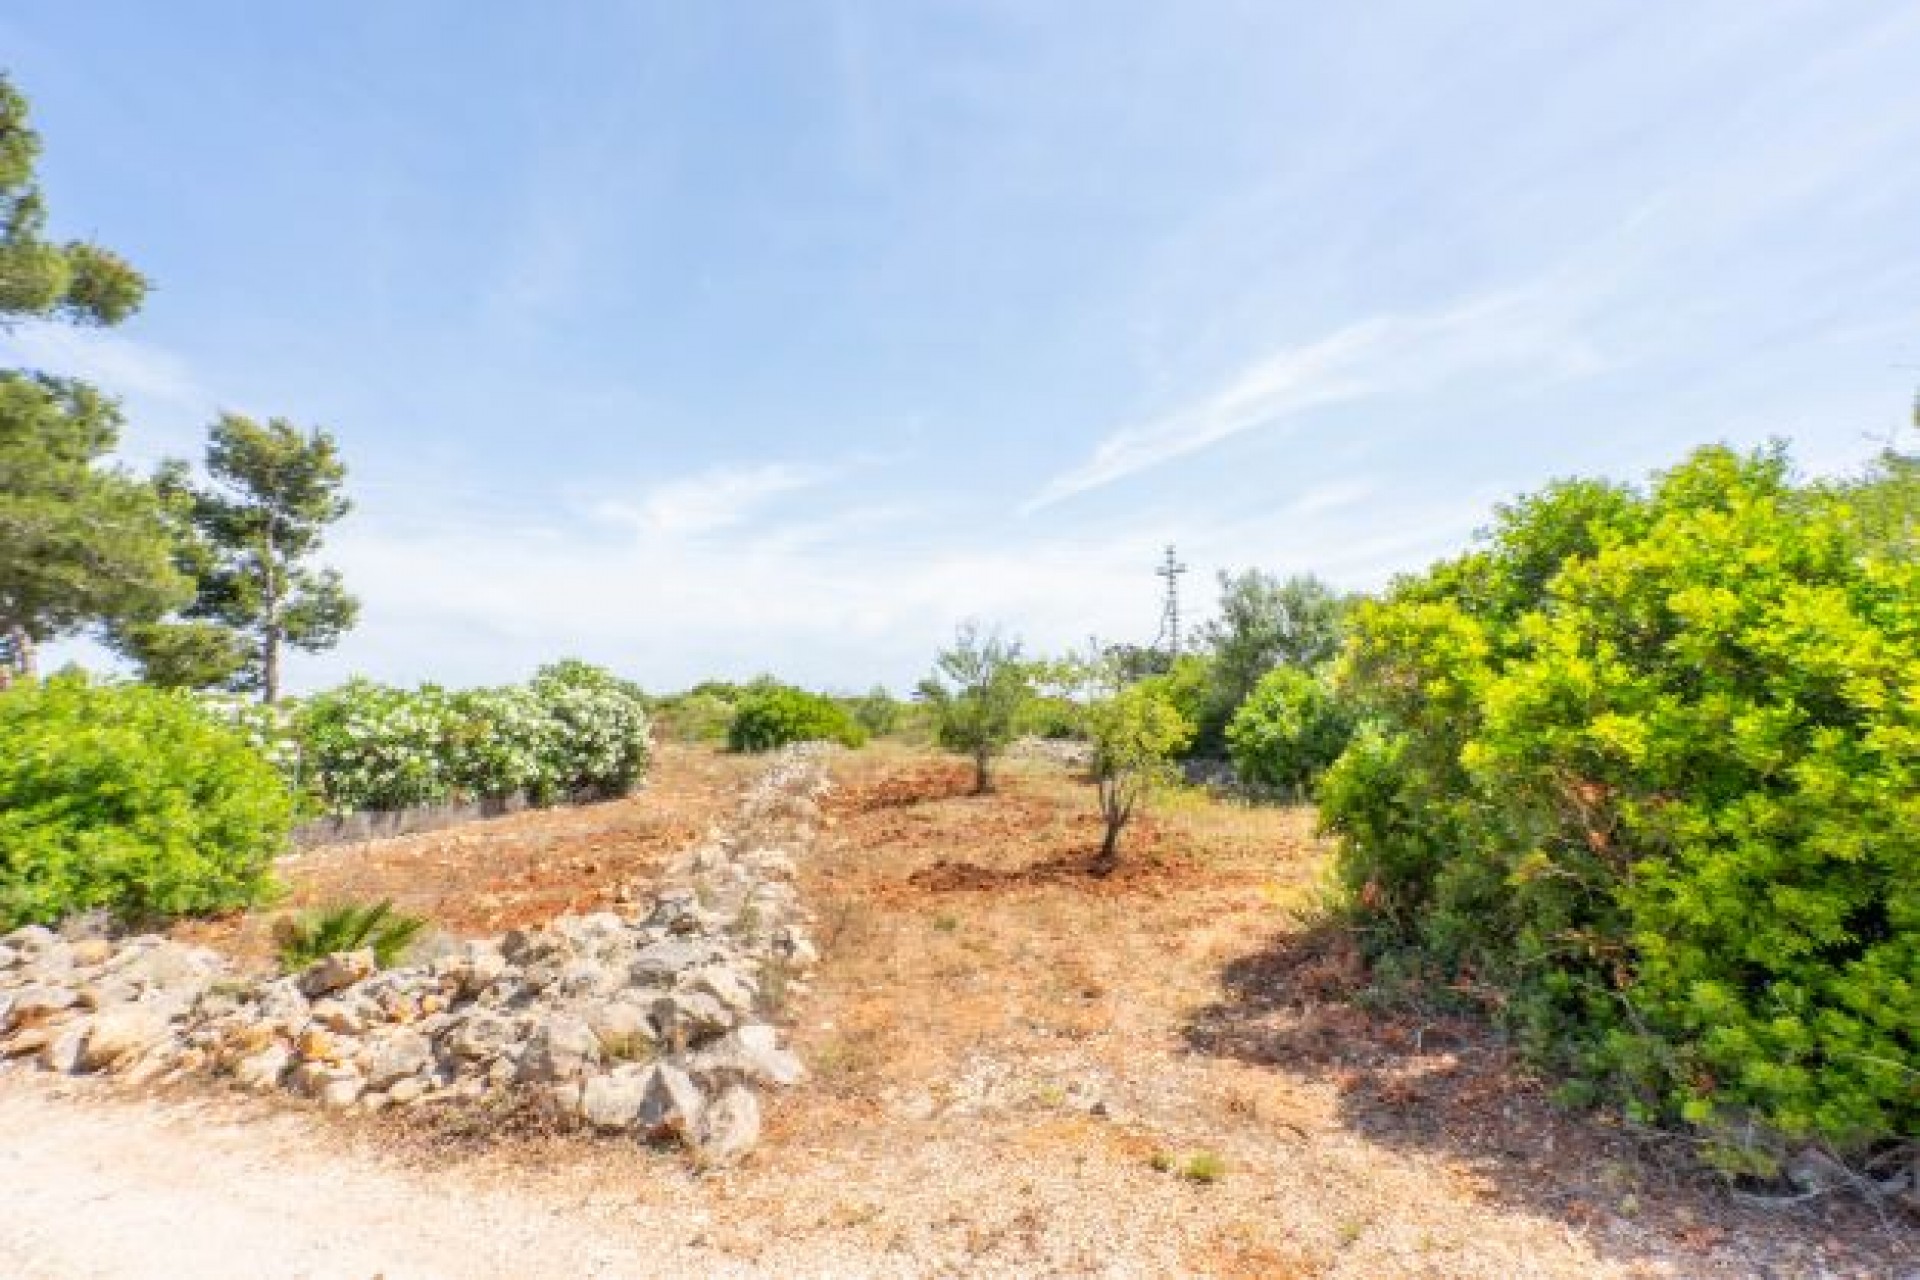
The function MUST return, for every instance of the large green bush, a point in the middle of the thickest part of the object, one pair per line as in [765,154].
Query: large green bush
[768,717]
[1649,764]
[131,800]
[1291,727]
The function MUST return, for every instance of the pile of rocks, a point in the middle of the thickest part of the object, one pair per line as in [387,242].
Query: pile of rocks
[649,1023]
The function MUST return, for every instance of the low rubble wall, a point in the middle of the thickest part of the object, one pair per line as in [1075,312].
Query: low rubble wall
[655,1024]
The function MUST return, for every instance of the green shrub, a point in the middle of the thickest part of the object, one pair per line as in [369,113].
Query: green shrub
[877,711]
[770,717]
[1052,716]
[131,800]
[574,732]
[1291,727]
[348,926]
[1650,763]
[1137,734]
[695,716]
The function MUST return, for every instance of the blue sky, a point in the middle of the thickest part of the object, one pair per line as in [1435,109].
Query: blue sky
[711,339]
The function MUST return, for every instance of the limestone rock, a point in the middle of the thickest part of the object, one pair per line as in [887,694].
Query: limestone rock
[730,1125]
[561,1049]
[397,1056]
[684,1018]
[333,972]
[122,1032]
[65,1049]
[728,986]
[612,1101]
[750,1054]
[623,1029]
[670,1103]
[483,1035]
[262,1071]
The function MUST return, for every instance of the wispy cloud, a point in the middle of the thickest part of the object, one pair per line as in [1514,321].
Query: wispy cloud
[710,501]
[167,405]
[1388,354]
[122,365]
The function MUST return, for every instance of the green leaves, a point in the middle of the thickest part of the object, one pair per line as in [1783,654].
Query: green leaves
[349,926]
[132,800]
[1289,730]
[979,691]
[1136,734]
[1667,745]
[79,542]
[77,282]
[771,716]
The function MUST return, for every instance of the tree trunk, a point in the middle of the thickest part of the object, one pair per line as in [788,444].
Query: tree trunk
[1108,858]
[21,652]
[270,666]
[270,621]
[982,775]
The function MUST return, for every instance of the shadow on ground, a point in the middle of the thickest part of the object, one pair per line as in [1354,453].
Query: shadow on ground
[1446,1083]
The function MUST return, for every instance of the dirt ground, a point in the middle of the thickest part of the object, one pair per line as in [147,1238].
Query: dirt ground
[485,877]
[1020,1070]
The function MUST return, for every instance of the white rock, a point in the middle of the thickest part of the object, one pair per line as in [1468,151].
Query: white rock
[561,1049]
[731,988]
[682,1018]
[65,1049]
[670,1103]
[747,1054]
[262,1071]
[612,1101]
[397,1056]
[122,1032]
[730,1125]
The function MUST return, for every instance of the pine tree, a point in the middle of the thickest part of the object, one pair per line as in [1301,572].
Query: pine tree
[78,542]
[272,491]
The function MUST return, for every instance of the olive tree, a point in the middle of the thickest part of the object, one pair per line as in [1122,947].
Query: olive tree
[977,691]
[1136,735]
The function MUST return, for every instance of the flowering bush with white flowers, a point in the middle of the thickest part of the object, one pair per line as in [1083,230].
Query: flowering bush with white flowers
[367,746]
[600,739]
[575,732]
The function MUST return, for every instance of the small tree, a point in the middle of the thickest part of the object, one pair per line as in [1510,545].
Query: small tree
[1136,735]
[274,490]
[977,691]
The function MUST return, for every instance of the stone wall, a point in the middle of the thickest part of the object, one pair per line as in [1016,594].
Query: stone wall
[655,1024]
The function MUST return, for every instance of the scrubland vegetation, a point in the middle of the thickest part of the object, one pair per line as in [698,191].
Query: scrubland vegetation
[1634,780]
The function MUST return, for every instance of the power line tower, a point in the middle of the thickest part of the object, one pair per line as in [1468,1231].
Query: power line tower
[1169,636]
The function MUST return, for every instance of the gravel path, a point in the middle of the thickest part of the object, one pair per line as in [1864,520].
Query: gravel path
[102,1186]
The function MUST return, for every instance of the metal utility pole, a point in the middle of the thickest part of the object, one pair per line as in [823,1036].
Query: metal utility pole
[1171,569]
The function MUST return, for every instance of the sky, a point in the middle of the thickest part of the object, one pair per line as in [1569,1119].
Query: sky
[707,340]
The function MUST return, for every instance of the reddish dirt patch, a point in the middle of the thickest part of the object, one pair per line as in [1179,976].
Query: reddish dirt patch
[484,877]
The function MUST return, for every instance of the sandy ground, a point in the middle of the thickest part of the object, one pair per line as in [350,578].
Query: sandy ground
[1016,1069]
[103,1185]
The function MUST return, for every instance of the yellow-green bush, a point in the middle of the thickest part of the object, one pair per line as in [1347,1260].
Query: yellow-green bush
[131,800]
[1650,763]
[771,716]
